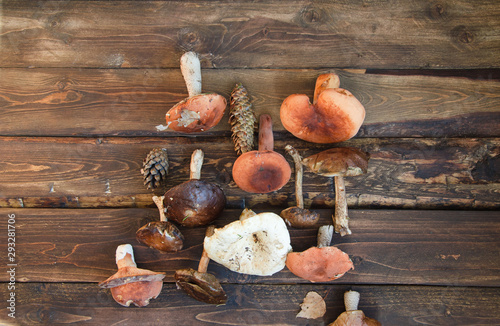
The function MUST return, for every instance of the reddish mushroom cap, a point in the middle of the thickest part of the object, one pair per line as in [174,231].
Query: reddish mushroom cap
[319,264]
[197,113]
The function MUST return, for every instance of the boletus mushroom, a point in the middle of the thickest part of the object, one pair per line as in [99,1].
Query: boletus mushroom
[199,112]
[334,116]
[298,216]
[131,284]
[322,263]
[264,170]
[339,163]
[199,284]
[256,244]
[195,202]
[161,235]
[352,316]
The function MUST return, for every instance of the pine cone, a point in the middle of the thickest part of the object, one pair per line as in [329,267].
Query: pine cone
[242,119]
[155,168]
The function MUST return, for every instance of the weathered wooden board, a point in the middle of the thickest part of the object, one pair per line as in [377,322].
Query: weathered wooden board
[105,172]
[291,34]
[132,102]
[455,248]
[62,304]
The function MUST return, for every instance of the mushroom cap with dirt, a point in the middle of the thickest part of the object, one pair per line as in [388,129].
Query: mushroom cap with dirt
[131,284]
[352,316]
[334,116]
[256,244]
[199,112]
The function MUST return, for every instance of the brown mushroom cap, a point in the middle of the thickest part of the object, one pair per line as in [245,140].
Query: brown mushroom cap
[201,286]
[196,114]
[340,161]
[161,235]
[262,171]
[335,116]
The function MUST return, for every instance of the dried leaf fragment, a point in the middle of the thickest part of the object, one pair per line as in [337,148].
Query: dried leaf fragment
[312,307]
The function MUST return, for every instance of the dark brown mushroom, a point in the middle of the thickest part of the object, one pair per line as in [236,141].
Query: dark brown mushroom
[161,235]
[195,202]
[199,112]
[339,163]
[298,216]
[131,284]
[264,170]
[199,284]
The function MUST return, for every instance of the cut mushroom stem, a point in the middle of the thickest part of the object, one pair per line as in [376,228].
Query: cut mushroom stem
[341,219]
[203,265]
[158,200]
[325,234]
[196,164]
[299,172]
[351,300]
[191,71]
[324,82]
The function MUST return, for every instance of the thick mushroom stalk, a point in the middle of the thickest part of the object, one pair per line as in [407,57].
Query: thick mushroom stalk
[352,316]
[161,235]
[131,284]
[199,112]
[334,116]
[339,163]
[298,216]
[322,263]
[194,202]
[264,170]
[199,284]
[256,244]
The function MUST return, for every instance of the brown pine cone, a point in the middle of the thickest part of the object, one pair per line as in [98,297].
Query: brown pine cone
[155,168]
[242,119]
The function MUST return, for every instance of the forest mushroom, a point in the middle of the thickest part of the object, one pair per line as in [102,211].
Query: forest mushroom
[264,170]
[322,263]
[199,284]
[195,202]
[161,235]
[339,163]
[199,112]
[256,244]
[334,116]
[298,216]
[131,284]
[352,316]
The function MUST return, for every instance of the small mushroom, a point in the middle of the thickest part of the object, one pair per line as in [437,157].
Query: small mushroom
[256,244]
[264,170]
[352,316]
[195,202]
[322,263]
[298,216]
[199,284]
[334,116]
[199,112]
[131,284]
[339,163]
[161,235]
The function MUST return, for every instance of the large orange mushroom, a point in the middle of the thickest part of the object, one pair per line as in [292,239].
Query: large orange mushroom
[352,316]
[334,116]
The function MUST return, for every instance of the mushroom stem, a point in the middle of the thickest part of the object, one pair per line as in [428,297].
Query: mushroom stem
[325,81]
[196,163]
[299,172]
[266,139]
[191,71]
[351,300]
[341,220]
[325,234]
[125,256]
[204,260]
[159,203]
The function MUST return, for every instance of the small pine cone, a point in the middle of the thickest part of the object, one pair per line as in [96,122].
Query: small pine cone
[242,119]
[155,168]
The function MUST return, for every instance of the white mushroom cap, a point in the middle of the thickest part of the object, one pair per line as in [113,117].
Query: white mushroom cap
[257,245]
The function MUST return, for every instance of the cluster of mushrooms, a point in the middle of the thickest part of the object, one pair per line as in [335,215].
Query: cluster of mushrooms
[255,244]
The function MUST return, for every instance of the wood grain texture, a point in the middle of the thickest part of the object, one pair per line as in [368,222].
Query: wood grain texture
[61,304]
[132,102]
[363,34]
[105,172]
[454,248]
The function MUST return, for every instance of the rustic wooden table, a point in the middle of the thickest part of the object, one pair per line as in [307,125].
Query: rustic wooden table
[84,83]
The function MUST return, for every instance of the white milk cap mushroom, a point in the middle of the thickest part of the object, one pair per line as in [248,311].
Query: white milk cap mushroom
[256,245]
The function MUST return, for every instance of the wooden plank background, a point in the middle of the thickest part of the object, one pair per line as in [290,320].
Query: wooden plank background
[83,84]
